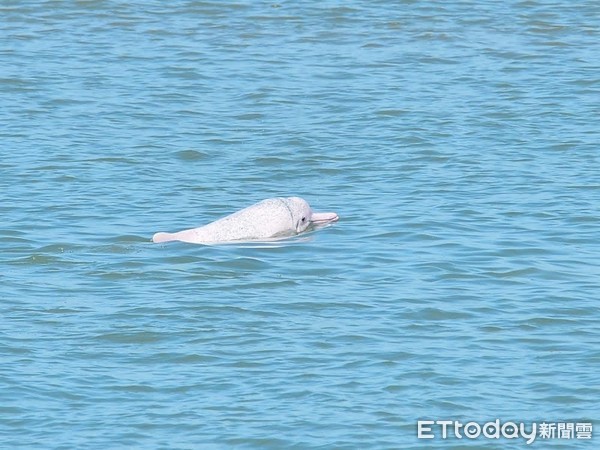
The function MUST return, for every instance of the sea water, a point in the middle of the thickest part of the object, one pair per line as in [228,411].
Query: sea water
[459,142]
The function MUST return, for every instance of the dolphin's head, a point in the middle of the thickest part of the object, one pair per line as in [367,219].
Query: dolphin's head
[303,216]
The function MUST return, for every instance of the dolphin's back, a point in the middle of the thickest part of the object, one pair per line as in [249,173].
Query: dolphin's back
[267,219]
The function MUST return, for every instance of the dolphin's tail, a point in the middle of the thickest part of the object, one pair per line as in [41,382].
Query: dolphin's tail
[163,237]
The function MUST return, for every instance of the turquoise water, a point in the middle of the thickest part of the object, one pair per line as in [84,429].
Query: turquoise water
[457,141]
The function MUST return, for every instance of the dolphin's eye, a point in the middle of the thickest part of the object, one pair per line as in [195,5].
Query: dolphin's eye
[303,219]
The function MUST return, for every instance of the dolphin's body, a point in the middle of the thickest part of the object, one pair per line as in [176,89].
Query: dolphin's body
[274,218]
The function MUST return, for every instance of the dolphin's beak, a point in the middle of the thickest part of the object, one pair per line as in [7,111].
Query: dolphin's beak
[323,218]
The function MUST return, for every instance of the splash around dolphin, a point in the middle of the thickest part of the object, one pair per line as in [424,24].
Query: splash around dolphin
[270,219]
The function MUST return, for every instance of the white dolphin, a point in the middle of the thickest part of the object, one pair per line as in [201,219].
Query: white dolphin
[273,218]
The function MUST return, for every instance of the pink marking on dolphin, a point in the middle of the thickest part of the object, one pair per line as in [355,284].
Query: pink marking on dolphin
[273,218]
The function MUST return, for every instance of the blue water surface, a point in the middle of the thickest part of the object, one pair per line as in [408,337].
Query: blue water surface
[459,142]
